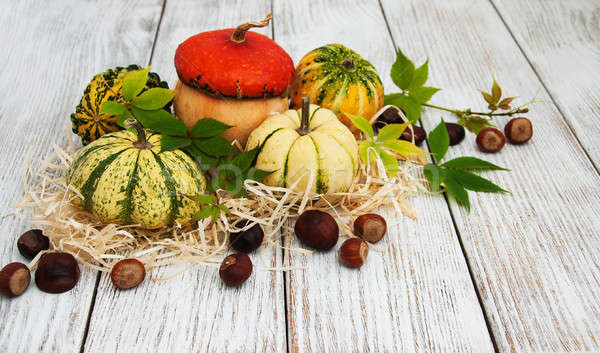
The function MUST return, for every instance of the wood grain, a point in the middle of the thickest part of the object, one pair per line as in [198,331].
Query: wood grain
[194,312]
[534,253]
[49,54]
[561,39]
[417,295]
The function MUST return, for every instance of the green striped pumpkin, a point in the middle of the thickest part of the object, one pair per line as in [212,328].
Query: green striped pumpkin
[327,151]
[126,181]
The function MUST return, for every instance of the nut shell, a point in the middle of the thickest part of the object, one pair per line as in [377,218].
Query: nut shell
[353,252]
[456,133]
[248,240]
[127,273]
[57,272]
[416,131]
[32,242]
[370,227]
[518,130]
[235,269]
[490,140]
[317,229]
[14,279]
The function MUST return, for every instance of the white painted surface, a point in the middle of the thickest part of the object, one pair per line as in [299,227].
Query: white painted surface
[49,54]
[534,253]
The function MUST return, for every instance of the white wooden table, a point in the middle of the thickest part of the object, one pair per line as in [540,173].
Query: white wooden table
[520,273]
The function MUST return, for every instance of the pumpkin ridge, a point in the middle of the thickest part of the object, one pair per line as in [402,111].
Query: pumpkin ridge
[125,214]
[342,92]
[88,189]
[190,170]
[170,184]
[262,145]
[81,159]
[344,148]
[321,186]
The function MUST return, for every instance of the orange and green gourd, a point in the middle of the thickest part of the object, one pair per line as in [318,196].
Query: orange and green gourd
[87,121]
[337,78]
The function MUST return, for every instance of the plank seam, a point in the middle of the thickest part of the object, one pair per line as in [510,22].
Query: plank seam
[162,13]
[455,225]
[554,102]
[90,312]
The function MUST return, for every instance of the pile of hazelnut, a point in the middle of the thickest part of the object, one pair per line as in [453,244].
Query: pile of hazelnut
[490,140]
[314,228]
[58,272]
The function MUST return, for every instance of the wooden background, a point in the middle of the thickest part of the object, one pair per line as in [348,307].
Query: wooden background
[520,273]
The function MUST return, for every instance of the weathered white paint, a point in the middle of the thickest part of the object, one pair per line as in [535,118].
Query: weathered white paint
[194,312]
[534,253]
[49,53]
[415,297]
[562,41]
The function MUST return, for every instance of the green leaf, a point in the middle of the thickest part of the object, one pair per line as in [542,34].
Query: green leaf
[505,103]
[420,76]
[488,97]
[456,190]
[215,146]
[366,152]
[404,148]
[472,181]
[205,199]
[435,175]
[411,108]
[390,163]
[160,121]
[124,116]
[134,83]
[391,132]
[245,160]
[402,71]
[439,141]
[257,174]
[205,161]
[209,211]
[474,123]
[496,92]
[423,94]
[112,108]
[471,163]
[170,143]
[361,123]
[154,98]
[208,127]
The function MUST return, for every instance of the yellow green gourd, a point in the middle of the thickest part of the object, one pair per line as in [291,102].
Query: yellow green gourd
[124,178]
[322,150]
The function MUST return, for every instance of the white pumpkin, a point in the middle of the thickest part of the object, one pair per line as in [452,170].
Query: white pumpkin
[325,153]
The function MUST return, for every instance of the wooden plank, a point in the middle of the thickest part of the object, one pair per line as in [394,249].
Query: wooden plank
[49,54]
[561,42]
[415,297]
[534,253]
[194,311]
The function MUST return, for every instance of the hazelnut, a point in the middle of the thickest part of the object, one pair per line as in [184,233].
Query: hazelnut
[388,116]
[456,133]
[128,273]
[32,242]
[518,130]
[248,240]
[353,252]
[317,229]
[235,269]
[14,279]
[371,227]
[416,131]
[57,272]
[490,140]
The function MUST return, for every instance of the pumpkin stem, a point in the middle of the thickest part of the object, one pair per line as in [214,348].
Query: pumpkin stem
[239,35]
[348,64]
[141,143]
[303,130]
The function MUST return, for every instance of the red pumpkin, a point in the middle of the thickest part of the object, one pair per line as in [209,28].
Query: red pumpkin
[232,75]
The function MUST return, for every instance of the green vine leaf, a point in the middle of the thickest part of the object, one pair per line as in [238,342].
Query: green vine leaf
[404,148]
[208,127]
[496,92]
[423,94]
[435,175]
[411,107]
[402,71]
[170,143]
[471,163]
[420,76]
[457,191]
[474,123]
[160,121]
[390,163]
[474,182]
[112,108]
[215,146]
[391,132]
[134,83]
[439,141]
[366,149]
[361,123]
[154,98]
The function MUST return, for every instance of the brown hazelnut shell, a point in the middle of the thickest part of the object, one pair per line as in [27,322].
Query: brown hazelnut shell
[317,229]
[353,252]
[57,272]
[14,279]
